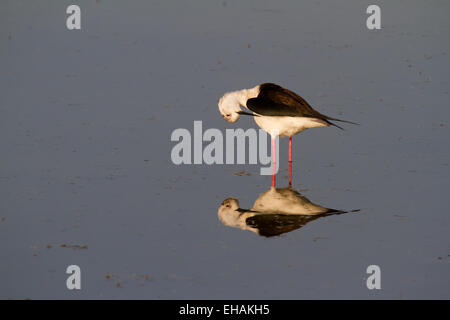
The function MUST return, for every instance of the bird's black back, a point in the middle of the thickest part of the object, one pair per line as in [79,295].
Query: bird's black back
[274,100]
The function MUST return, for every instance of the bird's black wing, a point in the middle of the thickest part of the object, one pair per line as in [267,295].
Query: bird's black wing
[274,100]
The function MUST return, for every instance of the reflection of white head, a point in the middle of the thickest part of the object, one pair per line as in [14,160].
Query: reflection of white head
[229,106]
[228,213]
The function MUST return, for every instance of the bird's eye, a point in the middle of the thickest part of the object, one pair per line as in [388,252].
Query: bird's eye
[228,115]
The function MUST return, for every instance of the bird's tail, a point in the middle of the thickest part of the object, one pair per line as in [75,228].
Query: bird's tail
[334,119]
[335,125]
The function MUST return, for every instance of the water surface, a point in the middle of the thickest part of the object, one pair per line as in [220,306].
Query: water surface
[86,176]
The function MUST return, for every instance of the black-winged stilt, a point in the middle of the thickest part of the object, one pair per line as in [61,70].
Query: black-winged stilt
[278,111]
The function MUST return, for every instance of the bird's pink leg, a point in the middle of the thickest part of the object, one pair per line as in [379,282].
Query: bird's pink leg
[274,161]
[290,161]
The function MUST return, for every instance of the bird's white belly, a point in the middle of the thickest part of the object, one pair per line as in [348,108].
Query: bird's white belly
[287,126]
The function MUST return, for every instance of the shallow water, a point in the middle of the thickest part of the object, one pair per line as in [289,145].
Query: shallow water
[86,176]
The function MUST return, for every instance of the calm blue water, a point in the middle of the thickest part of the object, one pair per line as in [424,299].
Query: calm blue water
[85,124]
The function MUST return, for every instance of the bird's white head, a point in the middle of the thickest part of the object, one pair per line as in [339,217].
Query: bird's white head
[229,106]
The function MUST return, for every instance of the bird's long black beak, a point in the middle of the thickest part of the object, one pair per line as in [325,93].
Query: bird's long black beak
[247,113]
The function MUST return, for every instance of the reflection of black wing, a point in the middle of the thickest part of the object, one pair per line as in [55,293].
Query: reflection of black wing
[270,225]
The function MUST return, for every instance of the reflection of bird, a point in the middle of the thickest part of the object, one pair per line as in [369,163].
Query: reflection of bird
[276,110]
[275,212]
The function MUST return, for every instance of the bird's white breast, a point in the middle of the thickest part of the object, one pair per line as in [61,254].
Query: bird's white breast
[287,126]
